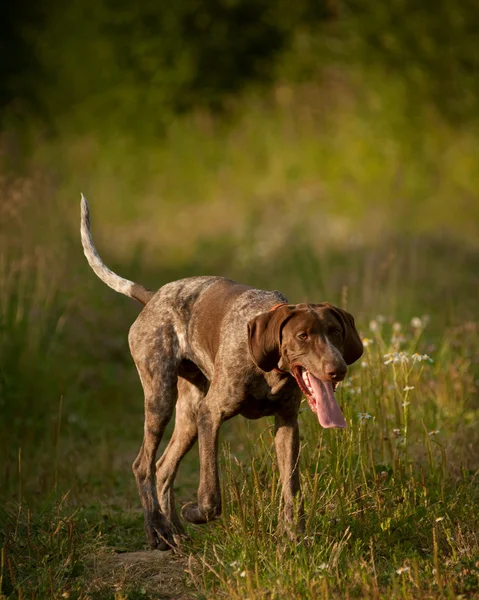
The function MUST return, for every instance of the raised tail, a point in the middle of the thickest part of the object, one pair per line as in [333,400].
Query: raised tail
[117,283]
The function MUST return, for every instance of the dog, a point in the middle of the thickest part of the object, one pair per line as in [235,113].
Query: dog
[214,349]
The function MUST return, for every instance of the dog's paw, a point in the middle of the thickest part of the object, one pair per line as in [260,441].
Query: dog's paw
[294,532]
[159,533]
[192,513]
[162,541]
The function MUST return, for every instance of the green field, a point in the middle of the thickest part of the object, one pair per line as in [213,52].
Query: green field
[330,191]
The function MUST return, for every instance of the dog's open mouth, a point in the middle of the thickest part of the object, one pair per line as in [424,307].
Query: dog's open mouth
[320,395]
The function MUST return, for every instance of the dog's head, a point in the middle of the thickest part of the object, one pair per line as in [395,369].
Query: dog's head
[315,343]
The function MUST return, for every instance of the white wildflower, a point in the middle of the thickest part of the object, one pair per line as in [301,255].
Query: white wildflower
[364,364]
[396,433]
[367,342]
[242,574]
[405,404]
[396,358]
[421,357]
[374,326]
[396,327]
[407,388]
[439,519]
[435,432]
[416,323]
[323,566]
[402,570]
[364,416]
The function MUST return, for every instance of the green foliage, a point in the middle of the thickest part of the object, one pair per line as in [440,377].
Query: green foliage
[430,46]
[110,66]
[135,65]
[41,554]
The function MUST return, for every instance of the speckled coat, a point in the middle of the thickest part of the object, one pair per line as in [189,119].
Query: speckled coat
[213,349]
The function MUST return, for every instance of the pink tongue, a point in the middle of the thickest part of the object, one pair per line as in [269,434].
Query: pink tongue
[329,413]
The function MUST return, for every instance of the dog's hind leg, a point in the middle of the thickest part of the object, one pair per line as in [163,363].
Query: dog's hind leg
[182,440]
[156,359]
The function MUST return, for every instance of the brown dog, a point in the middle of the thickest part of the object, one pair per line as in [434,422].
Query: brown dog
[215,349]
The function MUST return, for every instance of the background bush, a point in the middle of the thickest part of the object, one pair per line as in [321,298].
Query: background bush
[133,66]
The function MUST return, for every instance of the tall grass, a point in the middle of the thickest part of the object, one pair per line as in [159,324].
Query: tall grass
[390,501]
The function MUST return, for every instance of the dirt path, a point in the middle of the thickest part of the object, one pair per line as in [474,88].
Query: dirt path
[158,575]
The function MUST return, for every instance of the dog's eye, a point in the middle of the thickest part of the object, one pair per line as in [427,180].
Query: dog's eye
[336,332]
[303,336]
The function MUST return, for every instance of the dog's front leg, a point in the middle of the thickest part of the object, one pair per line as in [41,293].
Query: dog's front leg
[287,451]
[208,506]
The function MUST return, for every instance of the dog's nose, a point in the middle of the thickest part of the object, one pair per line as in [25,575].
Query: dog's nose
[336,373]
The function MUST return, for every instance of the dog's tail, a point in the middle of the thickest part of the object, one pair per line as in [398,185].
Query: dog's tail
[117,283]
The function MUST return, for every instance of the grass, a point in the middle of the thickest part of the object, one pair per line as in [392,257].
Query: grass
[378,217]
[390,502]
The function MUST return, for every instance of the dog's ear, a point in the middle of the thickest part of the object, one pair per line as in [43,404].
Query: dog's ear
[264,337]
[353,347]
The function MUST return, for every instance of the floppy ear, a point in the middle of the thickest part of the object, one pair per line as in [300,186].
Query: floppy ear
[264,337]
[353,347]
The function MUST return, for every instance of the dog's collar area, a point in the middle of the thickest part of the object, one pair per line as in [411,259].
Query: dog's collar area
[273,308]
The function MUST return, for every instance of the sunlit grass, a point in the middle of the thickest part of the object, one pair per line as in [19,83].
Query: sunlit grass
[390,501]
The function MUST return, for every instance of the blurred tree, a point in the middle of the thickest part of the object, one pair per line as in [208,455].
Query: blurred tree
[132,65]
[17,57]
[135,63]
[198,50]
[433,45]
